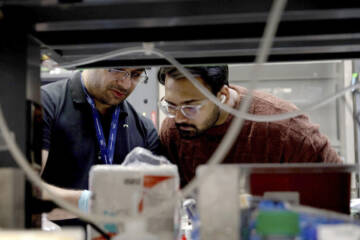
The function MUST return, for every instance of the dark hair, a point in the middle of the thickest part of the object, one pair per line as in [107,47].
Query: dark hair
[214,76]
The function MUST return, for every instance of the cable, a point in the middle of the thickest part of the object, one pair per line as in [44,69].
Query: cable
[234,129]
[35,179]
[236,125]
[259,58]
[112,54]
[207,93]
[91,218]
[99,230]
[252,117]
[265,46]
[351,111]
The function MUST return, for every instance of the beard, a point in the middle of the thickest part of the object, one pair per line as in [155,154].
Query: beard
[196,131]
[187,134]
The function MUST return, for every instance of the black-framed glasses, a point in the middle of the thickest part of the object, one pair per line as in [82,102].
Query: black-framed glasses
[138,76]
[189,111]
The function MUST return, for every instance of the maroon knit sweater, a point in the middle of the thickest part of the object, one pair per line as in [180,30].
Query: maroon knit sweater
[291,140]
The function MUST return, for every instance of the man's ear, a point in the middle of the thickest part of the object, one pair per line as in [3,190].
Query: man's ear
[224,93]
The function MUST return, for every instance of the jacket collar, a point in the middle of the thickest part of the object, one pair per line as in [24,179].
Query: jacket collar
[76,90]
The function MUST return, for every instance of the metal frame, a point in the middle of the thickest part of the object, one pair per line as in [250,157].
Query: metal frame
[193,31]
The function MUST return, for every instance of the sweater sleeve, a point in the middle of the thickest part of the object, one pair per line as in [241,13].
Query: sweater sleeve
[49,109]
[305,143]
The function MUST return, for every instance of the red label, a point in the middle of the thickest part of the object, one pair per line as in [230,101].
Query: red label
[150,181]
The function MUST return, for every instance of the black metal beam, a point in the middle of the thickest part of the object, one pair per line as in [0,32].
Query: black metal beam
[76,30]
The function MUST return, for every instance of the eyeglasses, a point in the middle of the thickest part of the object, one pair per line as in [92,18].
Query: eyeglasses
[135,76]
[189,111]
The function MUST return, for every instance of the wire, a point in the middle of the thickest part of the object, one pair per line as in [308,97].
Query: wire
[225,145]
[350,109]
[234,129]
[91,218]
[251,117]
[35,179]
[99,230]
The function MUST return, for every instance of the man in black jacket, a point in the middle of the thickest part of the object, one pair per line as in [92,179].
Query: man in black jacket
[87,121]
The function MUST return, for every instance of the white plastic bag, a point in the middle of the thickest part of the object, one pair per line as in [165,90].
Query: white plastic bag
[141,157]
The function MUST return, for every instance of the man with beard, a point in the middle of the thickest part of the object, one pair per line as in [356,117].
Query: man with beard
[87,121]
[195,126]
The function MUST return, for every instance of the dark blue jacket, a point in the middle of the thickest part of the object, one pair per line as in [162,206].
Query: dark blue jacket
[69,134]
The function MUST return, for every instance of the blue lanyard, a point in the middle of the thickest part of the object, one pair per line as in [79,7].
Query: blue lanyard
[107,153]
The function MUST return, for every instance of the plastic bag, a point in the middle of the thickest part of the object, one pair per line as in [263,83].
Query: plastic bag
[141,157]
[47,225]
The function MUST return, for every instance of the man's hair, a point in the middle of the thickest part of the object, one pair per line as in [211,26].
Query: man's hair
[214,76]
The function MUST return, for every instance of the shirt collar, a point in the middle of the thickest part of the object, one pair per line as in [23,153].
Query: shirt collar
[79,96]
[77,93]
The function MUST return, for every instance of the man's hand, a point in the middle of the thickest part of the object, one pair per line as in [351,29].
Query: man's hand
[72,196]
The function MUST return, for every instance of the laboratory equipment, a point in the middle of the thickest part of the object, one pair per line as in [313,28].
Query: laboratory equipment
[325,186]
